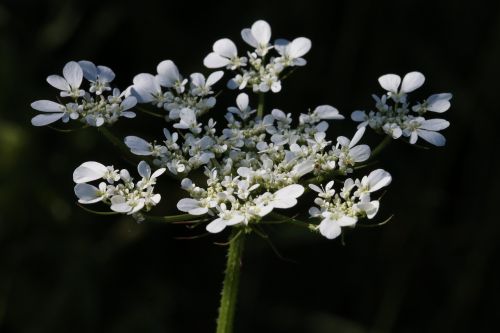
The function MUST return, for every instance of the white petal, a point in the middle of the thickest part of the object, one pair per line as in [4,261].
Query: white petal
[235,219]
[439,102]
[390,82]
[370,208]
[330,229]
[121,207]
[106,73]
[434,124]
[197,79]
[73,73]
[191,206]
[138,146]
[89,70]
[293,191]
[214,77]
[158,173]
[168,73]
[45,119]
[358,116]
[299,47]
[412,81]
[327,112]
[145,85]
[58,82]
[242,101]
[261,31]
[248,37]
[88,172]
[434,138]
[346,221]
[87,193]
[128,103]
[315,188]
[378,179]
[280,45]
[216,226]
[357,136]
[213,60]
[47,106]
[144,170]
[226,48]
[360,153]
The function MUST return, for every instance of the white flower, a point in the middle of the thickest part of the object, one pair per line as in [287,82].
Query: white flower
[373,182]
[330,226]
[55,111]
[325,193]
[258,37]
[391,83]
[188,121]
[147,89]
[130,205]
[243,110]
[99,76]
[369,208]
[354,154]
[191,206]
[148,179]
[293,51]
[327,112]
[200,87]
[435,103]
[225,54]
[226,217]
[70,83]
[169,77]
[88,194]
[287,196]
[426,129]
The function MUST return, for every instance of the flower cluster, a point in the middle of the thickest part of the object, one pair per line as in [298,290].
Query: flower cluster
[394,117]
[118,188]
[343,209]
[91,107]
[256,160]
[258,70]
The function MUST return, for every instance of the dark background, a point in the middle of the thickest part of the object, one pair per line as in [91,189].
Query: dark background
[432,269]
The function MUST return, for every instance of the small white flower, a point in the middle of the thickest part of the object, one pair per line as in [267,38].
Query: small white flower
[225,54]
[191,206]
[373,182]
[99,76]
[188,121]
[325,193]
[200,87]
[70,83]
[169,77]
[258,37]
[88,194]
[243,110]
[435,103]
[226,218]
[147,89]
[138,146]
[293,51]
[391,83]
[427,130]
[330,226]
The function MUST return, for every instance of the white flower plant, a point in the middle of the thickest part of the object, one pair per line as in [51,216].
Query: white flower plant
[258,163]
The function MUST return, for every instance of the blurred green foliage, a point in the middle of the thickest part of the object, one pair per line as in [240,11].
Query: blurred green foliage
[432,269]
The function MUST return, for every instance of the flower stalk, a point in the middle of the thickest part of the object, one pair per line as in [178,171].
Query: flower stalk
[230,285]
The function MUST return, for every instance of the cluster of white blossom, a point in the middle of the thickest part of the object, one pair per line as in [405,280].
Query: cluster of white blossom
[257,161]
[393,115]
[343,209]
[177,95]
[91,107]
[258,70]
[118,188]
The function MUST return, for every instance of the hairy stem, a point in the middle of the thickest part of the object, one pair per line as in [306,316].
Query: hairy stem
[229,294]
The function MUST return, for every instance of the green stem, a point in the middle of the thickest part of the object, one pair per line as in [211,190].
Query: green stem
[381,146]
[231,281]
[172,218]
[260,107]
